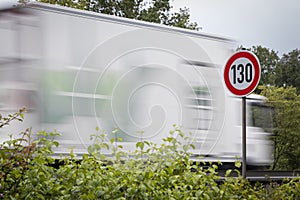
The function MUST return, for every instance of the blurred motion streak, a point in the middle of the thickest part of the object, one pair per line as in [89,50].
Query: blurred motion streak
[75,70]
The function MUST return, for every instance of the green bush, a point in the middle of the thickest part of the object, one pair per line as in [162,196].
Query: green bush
[150,172]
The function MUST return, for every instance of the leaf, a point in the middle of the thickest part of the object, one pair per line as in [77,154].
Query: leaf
[91,149]
[140,145]
[238,164]
[185,147]
[56,143]
[228,172]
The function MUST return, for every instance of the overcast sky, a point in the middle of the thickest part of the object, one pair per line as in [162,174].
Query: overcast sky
[271,23]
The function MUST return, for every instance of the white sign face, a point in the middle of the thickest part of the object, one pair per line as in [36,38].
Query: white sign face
[242,73]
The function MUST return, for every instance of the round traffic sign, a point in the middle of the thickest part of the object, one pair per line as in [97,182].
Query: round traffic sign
[242,73]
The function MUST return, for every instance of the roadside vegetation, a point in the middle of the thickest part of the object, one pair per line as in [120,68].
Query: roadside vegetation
[29,171]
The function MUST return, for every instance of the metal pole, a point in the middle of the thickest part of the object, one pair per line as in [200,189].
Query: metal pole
[244,137]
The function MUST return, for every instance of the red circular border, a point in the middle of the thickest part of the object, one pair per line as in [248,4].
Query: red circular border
[252,57]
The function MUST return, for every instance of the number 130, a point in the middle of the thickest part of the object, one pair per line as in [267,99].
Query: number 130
[242,73]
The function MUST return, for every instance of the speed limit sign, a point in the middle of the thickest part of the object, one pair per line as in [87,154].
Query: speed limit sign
[242,73]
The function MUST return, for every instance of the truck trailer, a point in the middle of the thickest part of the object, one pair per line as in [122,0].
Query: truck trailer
[76,70]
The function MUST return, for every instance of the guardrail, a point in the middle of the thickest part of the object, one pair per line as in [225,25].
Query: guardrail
[253,175]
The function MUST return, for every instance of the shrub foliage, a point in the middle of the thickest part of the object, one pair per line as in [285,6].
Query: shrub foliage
[151,171]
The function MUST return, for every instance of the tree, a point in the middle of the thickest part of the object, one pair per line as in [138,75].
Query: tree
[288,70]
[157,11]
[286,121]
[268,59]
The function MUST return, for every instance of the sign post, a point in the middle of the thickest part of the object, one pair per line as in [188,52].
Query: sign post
[244,136]
[241,76]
